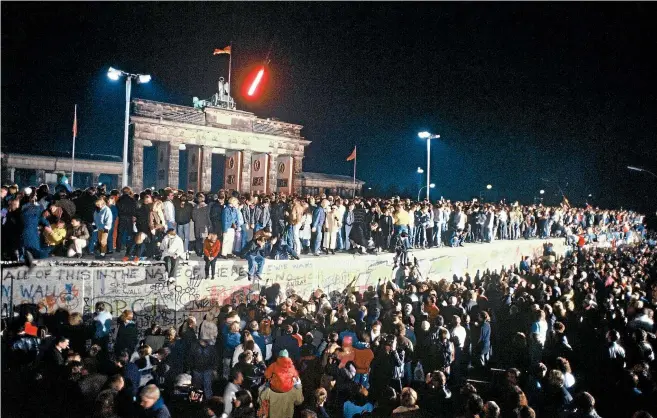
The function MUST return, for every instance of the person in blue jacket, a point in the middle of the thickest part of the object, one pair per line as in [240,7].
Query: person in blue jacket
[319,217]
[255,253]
[228,225]
[33,219]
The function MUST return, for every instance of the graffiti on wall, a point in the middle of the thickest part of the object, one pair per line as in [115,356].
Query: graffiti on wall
[148,292]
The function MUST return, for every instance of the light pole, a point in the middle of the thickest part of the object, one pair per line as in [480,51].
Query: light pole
[428,137]
[633,168]
[114,74]
[431,186]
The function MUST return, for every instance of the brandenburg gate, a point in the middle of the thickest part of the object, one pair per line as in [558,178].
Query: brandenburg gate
[262,155]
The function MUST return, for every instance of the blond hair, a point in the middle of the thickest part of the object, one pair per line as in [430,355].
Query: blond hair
[75,319]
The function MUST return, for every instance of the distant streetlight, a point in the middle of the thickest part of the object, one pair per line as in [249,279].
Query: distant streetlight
[630,167]
[419,170]
[115,74]
[489,187]
[428,136]
[369,188]
[542,191]
[431,186]
[590,195]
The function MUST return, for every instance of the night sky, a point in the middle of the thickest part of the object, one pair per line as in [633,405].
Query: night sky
[519,92]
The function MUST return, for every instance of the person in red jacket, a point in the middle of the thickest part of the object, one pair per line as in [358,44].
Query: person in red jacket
[211,250]
[282,374]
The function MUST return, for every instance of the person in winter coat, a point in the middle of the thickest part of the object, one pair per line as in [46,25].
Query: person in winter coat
[216,207]
[332,225]
[482,348]
[127,206]
[183,218]
[211,250]
[103,222]
[262,216]
[255,253]
[33,219]
[207,330]
[172,251]
[231,341]
[387,368]
[229,220]
[203,363]
[282,374]
[78,237]
[286,342]
[202,224]
[127,335]
[152,403]
[319,219]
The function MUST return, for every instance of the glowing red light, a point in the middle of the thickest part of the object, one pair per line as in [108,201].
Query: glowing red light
[256,81]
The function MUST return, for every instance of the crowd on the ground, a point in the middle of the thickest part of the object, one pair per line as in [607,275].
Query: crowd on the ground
[172,224]
[550,337]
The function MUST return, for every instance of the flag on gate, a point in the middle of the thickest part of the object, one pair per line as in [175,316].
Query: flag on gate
[75,122]
[352,156]
[219,51]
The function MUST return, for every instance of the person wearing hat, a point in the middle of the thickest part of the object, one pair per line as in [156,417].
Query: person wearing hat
[282,374]
[172,250]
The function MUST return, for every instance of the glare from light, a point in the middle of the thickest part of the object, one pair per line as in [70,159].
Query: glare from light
[144,78]
[590,195]
[255,83]
[542,191]
[113,73]
[182,147]
[432,185]
[424,134]
[634,168]
[369,188]
[489,187]
[420,170]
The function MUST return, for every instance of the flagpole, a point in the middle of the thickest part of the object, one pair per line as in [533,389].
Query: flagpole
[75,133]
[230,64]
[355,159]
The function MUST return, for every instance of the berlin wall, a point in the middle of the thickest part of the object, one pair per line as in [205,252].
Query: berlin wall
[145,289]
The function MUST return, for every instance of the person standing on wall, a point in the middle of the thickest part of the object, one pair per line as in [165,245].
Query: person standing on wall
[211,250]
[172,250]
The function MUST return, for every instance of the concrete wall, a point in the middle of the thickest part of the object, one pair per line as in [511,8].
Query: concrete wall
[144,289]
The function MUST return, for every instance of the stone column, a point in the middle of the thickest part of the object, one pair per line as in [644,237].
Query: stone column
[40,177]
[298,168]
[12,174]
[206,169]
[193,167]
[94,179]
[137,166]
[173,169]
[272,181]
[119,181]
[245,177]
[161,164]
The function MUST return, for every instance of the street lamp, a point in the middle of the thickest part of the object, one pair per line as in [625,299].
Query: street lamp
[426,135]
[630,167]
[431,186]
[419,170]
[115,74]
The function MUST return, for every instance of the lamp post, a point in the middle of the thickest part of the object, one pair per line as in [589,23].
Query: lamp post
[114,74]
[428,137]
[431,186]
[633,168]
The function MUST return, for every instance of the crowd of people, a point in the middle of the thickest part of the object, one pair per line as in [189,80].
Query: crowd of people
[558,336]
[171,224]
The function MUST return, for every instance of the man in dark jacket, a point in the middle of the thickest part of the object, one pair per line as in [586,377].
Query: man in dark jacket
[203,362]
[277,212]
[319,217]
[183,217]
[216,207]
[286,342]
[387,367]
[127,207]
[255,253]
